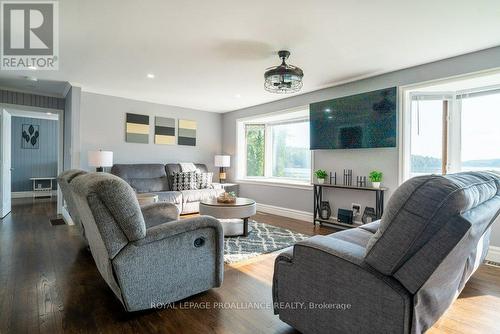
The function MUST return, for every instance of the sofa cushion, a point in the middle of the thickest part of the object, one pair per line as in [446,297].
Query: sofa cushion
[420,208]
[200,194]
[143,177]
[204,180]
[174,197]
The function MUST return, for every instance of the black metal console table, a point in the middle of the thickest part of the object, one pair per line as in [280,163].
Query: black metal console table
[318,198]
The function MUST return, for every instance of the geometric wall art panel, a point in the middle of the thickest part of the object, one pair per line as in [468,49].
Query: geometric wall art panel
[164,131]
[187,132]
[137,128]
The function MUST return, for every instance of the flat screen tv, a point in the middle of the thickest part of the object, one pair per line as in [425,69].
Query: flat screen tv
[364,120]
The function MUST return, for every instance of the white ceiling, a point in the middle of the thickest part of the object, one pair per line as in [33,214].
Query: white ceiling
[211,55]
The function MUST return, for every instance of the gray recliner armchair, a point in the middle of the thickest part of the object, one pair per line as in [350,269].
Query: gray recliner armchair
[396,275]
[145,255]
[64,180]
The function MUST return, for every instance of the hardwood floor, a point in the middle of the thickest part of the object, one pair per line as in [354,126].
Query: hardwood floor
[49,284]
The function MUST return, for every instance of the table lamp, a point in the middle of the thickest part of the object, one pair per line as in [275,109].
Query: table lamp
[100,159]
[222,161]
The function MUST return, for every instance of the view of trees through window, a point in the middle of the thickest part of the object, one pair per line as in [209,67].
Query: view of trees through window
[255,145]
[291,155]
[287,150]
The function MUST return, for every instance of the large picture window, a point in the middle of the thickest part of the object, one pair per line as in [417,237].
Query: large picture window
[452,132]
[276,148]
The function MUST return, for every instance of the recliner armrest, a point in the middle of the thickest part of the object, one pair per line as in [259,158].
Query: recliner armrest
[342,249]
[159,213]
[172,228]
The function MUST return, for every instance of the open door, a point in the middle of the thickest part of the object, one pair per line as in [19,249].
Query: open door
[5,164]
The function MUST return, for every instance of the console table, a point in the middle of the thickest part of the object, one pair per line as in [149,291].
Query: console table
[42,186]
[318,198]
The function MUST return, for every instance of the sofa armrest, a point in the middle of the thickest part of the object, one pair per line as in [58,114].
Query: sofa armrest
[159,213]
[325,286]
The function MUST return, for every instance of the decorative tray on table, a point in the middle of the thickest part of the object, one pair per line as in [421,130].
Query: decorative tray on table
[227,198]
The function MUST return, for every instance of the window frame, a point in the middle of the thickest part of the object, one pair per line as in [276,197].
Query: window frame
[241,144]
[453,125]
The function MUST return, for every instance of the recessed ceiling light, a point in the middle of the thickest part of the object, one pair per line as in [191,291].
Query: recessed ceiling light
[330,117]
[237,96]
[151,76]
[328,110]
[30,78]
[32,68]
[48,113]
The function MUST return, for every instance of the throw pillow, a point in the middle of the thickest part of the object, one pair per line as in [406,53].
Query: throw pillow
[184,181]
[204,180]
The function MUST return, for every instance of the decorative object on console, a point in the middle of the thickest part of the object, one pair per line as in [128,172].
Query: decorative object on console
[100,159]
[361,181]
[164,131]
[347,177]
[284,78]
[204,180]
[137,128]
[320,175]
[333,178]
[187,133]
[325,212]
[227,198]
[345,216]
[30,134]
[375,178]
[369,215]
[222,161]
[184,181]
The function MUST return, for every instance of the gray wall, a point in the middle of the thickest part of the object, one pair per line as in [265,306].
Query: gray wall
[102,125]
[40,162]
[362,160]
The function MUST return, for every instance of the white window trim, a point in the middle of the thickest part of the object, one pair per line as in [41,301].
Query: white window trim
[241,148]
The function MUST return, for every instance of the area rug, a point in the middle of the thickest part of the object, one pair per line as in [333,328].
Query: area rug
[262,238]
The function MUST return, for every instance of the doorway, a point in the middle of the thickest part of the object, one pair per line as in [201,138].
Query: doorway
[31,150]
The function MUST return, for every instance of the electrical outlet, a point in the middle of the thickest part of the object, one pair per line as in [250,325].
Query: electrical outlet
[356,209]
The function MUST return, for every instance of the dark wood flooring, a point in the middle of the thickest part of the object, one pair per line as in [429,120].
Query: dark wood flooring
[49,284]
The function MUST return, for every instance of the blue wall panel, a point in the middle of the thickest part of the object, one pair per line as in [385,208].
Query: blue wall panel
[40,162]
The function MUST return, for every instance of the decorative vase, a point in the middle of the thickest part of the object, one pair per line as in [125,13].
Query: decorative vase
[321,181]
[376,185]
[325,211]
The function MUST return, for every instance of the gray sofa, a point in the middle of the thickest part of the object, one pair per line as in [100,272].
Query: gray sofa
[396,275]
[157,179]
[145,254]
[64,180]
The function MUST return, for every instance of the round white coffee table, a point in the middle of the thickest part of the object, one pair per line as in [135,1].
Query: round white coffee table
[233,216]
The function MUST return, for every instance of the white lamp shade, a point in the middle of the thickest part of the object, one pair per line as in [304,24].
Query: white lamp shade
[222,161]
[100,158]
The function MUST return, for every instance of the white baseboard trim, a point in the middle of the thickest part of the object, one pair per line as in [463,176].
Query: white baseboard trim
[67,217]
[493,254]
[24,194]
[285,212]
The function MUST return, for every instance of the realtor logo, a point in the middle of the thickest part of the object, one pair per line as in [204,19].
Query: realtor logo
[30,35]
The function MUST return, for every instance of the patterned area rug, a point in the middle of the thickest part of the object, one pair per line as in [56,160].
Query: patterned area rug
[263,238]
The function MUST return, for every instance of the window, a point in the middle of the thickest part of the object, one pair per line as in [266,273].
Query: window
[451,132]
[276,148]
[480,139]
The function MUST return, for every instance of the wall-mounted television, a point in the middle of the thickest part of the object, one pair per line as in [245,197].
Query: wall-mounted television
[364,120]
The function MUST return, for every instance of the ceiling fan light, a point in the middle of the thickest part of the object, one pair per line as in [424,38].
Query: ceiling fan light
[284,78]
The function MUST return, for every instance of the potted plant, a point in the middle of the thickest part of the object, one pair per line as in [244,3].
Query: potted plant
[376,177]
[321,175]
